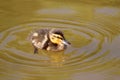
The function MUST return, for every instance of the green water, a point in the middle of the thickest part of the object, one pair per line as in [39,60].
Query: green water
[92,27]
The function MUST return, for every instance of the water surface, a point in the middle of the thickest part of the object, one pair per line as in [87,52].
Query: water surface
[92,27]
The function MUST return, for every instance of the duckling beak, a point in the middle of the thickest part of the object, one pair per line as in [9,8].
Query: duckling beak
[65,42]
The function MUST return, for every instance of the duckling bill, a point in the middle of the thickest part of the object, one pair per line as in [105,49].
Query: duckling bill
[48,39]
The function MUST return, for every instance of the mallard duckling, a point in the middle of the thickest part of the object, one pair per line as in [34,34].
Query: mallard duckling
[48,39]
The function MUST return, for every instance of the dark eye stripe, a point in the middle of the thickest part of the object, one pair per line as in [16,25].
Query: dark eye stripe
[58,37]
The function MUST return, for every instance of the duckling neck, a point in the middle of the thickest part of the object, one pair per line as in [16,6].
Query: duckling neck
[60,46]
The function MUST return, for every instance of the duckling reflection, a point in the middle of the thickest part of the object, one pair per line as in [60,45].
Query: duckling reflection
[48,39]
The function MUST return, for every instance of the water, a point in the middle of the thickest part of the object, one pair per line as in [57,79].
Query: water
[92,27]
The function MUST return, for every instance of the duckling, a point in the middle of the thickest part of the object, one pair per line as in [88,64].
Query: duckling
[49,39]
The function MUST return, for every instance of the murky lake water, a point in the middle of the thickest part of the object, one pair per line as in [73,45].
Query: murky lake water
[92,27]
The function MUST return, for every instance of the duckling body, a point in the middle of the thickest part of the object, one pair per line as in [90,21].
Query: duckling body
[48,39]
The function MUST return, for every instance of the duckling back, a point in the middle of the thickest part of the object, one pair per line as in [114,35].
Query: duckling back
[41,34]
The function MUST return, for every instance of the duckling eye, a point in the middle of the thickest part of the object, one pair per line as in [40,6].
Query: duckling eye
[59,37]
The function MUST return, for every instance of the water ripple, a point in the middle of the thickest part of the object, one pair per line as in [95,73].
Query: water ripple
[91,44]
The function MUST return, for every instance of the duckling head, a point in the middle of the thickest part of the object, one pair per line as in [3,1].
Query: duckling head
[57,37]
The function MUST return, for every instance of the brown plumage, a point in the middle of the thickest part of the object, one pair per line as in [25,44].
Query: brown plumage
[48,39]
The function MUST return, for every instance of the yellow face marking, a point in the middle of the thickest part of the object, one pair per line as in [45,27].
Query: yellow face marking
[55,38]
